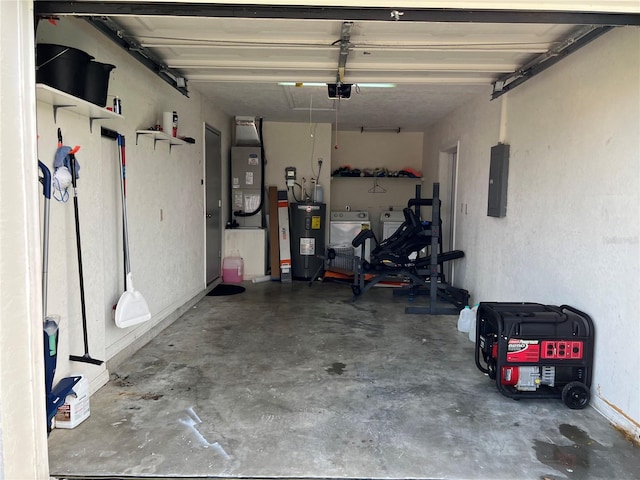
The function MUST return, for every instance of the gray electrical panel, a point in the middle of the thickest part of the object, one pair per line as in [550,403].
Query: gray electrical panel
[498,175]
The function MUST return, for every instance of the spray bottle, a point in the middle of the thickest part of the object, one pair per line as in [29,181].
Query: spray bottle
[175,124]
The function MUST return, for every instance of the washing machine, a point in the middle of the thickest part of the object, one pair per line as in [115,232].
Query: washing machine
[344,226]
[390,221]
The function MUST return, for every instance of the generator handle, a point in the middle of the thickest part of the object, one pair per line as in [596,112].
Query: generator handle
[580,313]
[477,353]
[541,318]
[481,367]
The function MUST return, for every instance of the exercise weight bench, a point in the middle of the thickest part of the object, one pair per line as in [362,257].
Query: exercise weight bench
[392,259]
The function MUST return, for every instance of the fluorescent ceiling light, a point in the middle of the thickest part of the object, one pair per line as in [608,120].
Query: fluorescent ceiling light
[301,84]
[313,84]
[375,85]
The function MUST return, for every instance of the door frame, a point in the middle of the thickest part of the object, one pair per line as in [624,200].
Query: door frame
[448,162]
[206,126]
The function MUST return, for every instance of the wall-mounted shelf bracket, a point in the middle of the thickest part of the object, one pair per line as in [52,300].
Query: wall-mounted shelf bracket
[59,99]
[159,136]
[55,111]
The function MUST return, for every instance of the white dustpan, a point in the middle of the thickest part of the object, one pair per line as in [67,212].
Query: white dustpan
[132,308]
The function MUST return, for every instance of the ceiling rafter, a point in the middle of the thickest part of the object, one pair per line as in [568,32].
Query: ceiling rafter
[353,69]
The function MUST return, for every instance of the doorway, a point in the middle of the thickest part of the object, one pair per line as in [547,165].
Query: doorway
[448,178]
[213,203]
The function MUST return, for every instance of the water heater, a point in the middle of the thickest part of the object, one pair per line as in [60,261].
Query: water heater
[307,238]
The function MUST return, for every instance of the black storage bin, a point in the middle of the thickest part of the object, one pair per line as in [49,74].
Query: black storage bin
[536,351]
[61,67]
[97,82]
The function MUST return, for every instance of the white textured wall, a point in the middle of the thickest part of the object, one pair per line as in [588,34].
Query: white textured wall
[571,234]
[297,145]
[164,202]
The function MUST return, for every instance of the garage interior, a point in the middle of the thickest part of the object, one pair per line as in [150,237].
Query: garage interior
[291,380]
[299,382]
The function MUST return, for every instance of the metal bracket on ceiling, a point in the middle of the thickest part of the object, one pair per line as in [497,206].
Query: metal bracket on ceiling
[364,129]
[345,43]
[578,39]
[112,30]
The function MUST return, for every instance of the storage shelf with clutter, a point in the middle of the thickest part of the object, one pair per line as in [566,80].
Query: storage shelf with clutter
[348,172]
[59,99]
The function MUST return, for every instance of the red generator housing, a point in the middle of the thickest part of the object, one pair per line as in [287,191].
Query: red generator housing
[536,351]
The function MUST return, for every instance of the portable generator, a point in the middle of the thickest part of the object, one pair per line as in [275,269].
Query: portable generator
[536,351]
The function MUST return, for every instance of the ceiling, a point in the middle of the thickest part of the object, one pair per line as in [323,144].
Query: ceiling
[435,66]
[237,61]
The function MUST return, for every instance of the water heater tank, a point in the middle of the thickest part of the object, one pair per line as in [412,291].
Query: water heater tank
[307,238]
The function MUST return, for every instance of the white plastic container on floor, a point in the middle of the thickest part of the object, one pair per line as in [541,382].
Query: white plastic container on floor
[465,319]
[232,269]
[75,409]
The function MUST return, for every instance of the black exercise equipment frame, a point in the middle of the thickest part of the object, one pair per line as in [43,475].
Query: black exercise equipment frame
[436,291]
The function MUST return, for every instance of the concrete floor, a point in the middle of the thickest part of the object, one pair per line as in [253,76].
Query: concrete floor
[298,382]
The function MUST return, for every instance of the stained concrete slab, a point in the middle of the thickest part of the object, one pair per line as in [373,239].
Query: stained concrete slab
[291,381]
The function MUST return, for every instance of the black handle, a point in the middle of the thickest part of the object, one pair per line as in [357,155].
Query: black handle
[72,164]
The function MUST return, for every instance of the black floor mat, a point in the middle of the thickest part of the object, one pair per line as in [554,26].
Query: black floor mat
[225,289]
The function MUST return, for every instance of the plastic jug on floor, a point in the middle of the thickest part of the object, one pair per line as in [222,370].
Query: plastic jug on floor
[465,318]
[232,269]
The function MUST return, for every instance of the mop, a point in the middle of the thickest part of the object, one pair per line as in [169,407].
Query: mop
[54,396]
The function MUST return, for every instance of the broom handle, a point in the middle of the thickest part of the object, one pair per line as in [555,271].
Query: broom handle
[123,189]
[72,159]
[46,183]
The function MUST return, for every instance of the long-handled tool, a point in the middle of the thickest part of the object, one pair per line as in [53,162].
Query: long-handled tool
[132,308]
[46,191]
[86,358]
[50,327]
[54,396]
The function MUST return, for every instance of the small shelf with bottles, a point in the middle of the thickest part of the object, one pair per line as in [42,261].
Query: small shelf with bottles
[59,99]
[160,136]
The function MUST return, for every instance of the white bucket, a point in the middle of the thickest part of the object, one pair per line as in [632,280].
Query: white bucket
[75,409]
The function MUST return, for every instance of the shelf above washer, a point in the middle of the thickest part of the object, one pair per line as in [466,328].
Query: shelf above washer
[370,177]
[59,99]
